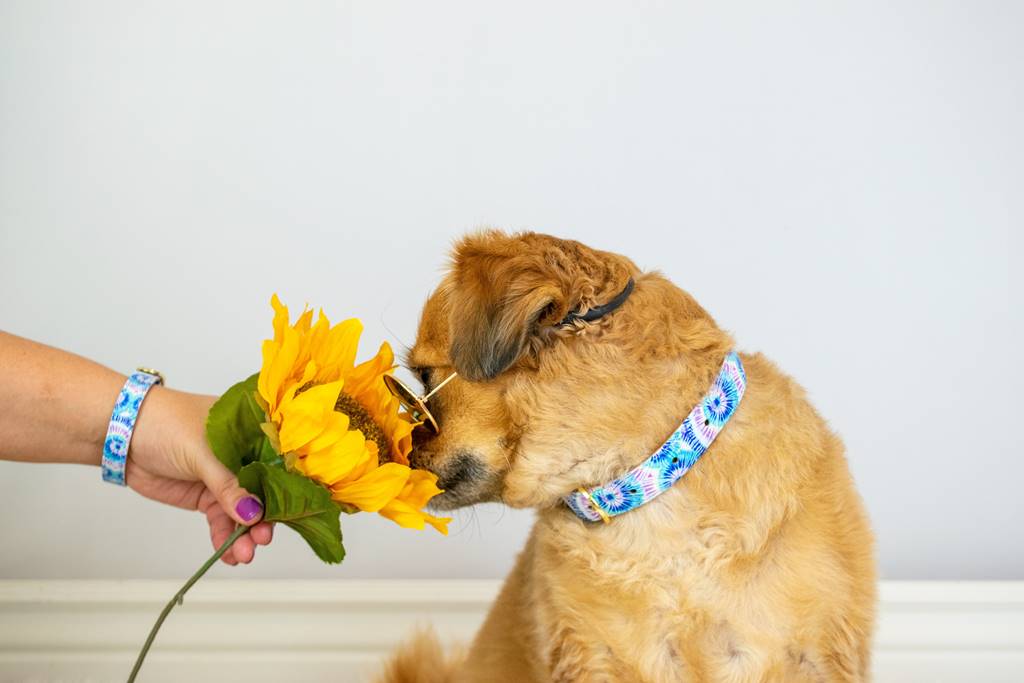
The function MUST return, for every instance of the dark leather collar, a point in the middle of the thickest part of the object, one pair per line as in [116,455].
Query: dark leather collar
[602,310]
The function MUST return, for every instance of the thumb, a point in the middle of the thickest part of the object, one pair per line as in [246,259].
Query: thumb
[239,504]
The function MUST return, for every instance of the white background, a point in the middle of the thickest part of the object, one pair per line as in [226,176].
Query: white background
[838,183]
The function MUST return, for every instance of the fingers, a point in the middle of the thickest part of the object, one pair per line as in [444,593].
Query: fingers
[221,526]
[244,549]
[237,503]
[262,533]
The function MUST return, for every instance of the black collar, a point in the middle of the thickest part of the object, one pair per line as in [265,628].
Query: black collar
[599,311]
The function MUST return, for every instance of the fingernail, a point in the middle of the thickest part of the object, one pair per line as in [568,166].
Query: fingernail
[249,508]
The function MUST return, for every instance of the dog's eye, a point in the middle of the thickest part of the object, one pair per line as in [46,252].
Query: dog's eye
[424,376]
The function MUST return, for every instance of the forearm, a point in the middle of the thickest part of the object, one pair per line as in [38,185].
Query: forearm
[56,405]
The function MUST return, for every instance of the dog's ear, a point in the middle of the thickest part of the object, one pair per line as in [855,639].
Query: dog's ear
[495,315]
[507,294]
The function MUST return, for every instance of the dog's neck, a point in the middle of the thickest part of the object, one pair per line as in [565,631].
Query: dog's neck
[673,458]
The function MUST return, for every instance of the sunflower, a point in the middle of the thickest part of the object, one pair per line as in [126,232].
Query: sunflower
[336,423]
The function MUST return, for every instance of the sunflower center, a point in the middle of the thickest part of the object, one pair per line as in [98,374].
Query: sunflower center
[360,418]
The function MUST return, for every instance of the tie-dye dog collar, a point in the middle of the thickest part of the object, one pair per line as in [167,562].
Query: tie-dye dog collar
[672,460]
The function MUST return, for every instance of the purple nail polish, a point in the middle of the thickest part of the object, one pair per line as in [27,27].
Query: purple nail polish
[249,508]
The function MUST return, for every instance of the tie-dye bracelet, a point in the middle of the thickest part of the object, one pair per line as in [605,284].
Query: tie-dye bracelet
[122,423]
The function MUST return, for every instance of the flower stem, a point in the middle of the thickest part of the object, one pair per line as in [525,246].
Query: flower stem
[180,596]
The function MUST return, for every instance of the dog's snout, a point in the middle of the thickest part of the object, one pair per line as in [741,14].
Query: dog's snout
[463,468]
[416,459]
[461,476]
[420,437]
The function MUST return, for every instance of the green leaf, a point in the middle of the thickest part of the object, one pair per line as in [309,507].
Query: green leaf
[300,503]
[233,427]
[267,455]
[235,430]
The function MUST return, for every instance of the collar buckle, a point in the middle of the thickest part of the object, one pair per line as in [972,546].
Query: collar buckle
[593,503]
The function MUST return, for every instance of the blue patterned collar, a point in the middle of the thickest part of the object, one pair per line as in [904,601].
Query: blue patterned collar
[659,472]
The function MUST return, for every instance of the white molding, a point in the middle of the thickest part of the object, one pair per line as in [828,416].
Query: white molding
[339,630]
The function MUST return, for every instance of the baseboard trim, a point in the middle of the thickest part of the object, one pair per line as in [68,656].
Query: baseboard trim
[340,630]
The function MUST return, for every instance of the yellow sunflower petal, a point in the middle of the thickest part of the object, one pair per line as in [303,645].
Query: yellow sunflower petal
[371,462]
[398,431]
[337,354]
[318,337]
[282,365]
[405,515]
[374,490]
[335,427]
[332,465]
[308,373]
[280,318]
[302,324]
[364,376]
[266,391]
[421,487]
[304,417]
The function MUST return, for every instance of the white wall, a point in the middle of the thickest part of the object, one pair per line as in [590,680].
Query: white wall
[839,183]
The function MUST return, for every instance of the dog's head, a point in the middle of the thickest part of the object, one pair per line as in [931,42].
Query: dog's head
[540,407]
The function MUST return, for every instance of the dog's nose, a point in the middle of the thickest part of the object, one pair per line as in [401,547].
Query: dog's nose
[418,456]
[420,436]
[414,459]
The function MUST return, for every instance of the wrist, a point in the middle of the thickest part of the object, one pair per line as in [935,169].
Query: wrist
[89,431]
[121,428]
[170,432]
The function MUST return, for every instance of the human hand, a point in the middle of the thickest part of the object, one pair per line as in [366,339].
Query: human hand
[170,462]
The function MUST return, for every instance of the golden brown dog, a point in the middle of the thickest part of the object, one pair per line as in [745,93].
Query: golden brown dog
[756,566]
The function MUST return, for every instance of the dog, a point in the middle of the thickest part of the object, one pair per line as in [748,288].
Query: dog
[756,565]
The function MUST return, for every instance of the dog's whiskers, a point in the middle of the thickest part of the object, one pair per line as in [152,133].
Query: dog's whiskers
[406,348]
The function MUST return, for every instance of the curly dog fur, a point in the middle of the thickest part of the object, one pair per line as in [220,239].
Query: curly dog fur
[757,566]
